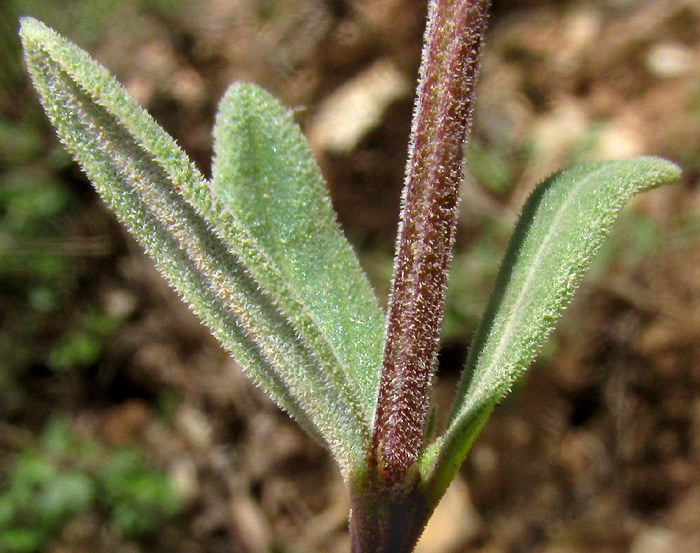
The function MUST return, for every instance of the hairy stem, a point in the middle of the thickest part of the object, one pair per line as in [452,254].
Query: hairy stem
[441,122]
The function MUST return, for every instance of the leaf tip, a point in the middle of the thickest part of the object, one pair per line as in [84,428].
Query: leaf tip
[659,171]
[242,100]
[240,89]
[36,37]
[31,29]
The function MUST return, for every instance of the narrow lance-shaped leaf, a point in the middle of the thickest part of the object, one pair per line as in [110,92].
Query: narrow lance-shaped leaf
[267,176]
[166,203]
[561,227]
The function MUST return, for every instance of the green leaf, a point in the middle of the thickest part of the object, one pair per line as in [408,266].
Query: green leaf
[561,227]
[207,253]
[266,174]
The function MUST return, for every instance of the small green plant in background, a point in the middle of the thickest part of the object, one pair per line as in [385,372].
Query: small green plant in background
[259,255]
[38,498]
[137,497]
[66,476]
[82,345]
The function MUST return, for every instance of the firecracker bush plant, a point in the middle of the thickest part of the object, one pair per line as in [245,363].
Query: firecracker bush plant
[258,254]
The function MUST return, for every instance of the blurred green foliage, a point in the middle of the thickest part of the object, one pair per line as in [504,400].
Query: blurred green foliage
[81,345]
[66,476]
[493,165]
[138,498]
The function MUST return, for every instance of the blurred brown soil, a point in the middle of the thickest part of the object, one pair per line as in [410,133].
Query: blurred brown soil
[597,451]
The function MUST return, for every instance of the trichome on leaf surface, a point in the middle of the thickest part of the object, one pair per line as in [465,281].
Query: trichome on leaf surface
[258,254]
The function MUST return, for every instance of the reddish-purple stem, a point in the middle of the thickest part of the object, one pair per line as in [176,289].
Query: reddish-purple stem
[441,122]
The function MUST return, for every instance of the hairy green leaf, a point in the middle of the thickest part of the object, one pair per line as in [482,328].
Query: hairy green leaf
[266,174]
[561,227]
[208,254]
